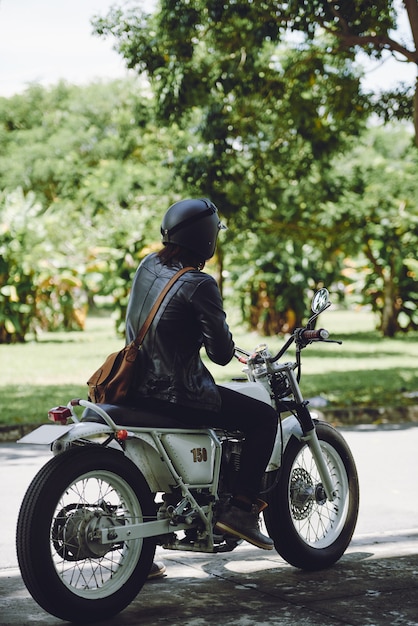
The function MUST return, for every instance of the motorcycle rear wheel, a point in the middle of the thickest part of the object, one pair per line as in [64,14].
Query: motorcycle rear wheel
[67,572]
[309,531]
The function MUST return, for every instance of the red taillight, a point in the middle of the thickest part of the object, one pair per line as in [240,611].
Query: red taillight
[59,414]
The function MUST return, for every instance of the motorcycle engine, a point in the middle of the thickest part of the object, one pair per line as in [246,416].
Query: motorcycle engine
[230,465]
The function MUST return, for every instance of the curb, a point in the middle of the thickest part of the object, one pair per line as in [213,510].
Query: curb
[356,416]
[10,434]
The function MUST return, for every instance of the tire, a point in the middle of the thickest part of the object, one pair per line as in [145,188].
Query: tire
[309,531]
[68,574]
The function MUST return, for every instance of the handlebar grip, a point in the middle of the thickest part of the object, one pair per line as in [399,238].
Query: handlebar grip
[320,333]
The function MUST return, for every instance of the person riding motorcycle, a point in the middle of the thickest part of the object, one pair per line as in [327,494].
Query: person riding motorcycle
[172,378]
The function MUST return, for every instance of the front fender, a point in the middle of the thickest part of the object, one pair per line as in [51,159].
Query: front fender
[290,427]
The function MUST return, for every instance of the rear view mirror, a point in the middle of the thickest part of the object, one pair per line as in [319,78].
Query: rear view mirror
[320,301]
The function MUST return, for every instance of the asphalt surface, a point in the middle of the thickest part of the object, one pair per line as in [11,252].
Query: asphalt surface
[375,582]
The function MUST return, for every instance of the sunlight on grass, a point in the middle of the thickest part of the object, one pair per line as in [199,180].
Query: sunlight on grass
[366,369]
[60,358]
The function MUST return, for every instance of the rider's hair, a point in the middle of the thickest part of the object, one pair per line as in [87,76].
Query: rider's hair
[172,254]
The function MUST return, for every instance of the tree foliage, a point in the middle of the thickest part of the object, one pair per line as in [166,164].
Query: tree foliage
[85,147]
[376,219]
[39,287]
[83,172]
[269,118]
[273,111]
[372,27]
[255,104]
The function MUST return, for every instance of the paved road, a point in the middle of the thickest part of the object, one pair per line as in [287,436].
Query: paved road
[376,582]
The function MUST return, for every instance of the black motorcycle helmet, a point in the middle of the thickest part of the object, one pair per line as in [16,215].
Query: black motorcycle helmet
[193,224]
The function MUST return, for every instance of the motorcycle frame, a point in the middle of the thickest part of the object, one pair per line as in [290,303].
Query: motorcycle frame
[146,448]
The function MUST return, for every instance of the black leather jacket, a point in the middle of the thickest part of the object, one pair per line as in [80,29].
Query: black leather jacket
[191,316]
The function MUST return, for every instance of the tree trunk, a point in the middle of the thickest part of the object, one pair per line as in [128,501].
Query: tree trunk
[390,310]
[416,112]
[266,319]
[411,7]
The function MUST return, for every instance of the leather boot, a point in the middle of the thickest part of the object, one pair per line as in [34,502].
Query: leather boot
[157,570]
[245,524]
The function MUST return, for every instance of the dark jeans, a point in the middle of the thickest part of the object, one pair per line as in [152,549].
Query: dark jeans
[256,419]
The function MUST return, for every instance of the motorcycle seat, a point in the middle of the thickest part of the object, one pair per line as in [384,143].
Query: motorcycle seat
[133,416]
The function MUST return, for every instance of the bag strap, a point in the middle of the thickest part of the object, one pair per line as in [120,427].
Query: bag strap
[145,326]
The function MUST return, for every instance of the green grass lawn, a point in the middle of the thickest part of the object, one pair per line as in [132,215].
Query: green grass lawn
[367,370]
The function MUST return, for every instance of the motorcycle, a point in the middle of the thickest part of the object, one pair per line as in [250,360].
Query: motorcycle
[121,482]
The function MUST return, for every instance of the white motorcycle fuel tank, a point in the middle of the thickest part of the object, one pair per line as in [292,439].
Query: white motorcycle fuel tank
[253,389]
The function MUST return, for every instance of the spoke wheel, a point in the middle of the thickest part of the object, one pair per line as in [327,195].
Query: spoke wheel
[64,564]
[310,531]
[317,521]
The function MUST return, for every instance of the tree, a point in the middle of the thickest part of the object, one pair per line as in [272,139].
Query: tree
[377,216]
[68,144]
[16,267]
[39,288]
[268,118]
[86,175]
[371,27]
[274,110]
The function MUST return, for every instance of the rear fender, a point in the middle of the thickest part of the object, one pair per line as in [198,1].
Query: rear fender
[143,452]
[139,447]
[59,437]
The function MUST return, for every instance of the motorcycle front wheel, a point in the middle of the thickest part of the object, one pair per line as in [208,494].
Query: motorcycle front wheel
[65,567]
[309,531]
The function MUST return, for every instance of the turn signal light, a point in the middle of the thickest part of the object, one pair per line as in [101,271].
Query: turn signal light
[59,414]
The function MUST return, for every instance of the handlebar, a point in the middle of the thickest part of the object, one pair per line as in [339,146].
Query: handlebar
[309,335]
[302,336]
